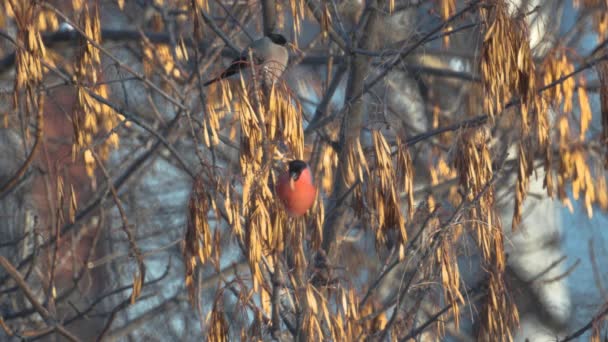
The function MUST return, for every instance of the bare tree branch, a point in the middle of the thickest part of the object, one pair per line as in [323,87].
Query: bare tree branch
[269,15]
[145,318]
[351,127]
[587,326]
[12,271]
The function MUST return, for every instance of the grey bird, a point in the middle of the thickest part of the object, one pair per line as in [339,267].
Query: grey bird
[270,52]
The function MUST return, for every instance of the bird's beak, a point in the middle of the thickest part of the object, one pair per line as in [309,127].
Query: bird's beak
[292,184]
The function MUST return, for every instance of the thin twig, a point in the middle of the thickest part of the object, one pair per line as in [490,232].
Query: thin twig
[414,46]
[464,204]
[324,104]
[123,66]
[29,294]
[387,270]
[14,179]
[352,123]
[587,326]
[209,21]
[126,227]
[146,317]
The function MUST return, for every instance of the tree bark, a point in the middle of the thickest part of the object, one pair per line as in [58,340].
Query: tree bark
[269,13]
[351,127]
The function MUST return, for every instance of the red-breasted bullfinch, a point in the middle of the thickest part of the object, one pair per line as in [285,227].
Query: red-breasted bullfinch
[295,188]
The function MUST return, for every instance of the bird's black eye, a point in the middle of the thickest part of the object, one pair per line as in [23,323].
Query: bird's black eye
[277,38]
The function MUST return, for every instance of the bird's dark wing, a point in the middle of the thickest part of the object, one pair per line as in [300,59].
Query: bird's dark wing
[236,66]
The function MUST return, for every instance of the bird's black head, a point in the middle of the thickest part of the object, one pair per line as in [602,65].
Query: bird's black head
[277,38]
[296,167]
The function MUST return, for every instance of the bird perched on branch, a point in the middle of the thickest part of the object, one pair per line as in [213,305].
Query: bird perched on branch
[270,52]
[296,189]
